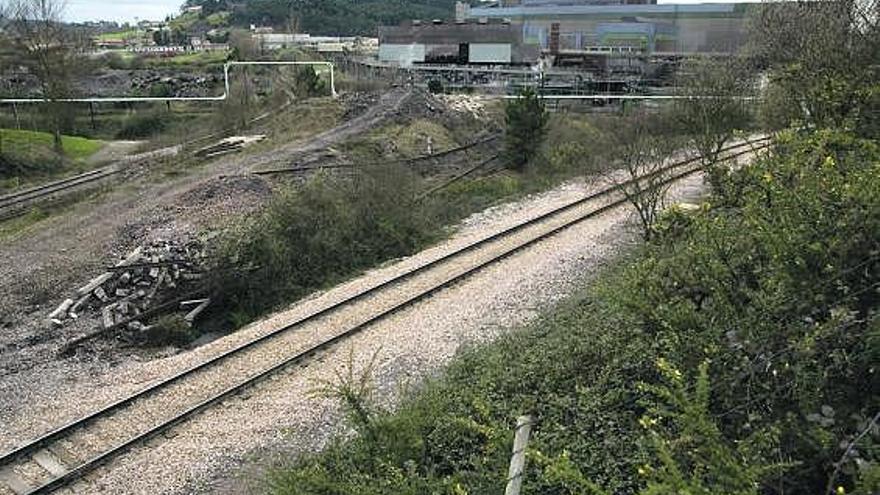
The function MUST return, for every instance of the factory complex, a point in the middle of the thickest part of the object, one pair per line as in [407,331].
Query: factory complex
[597,35]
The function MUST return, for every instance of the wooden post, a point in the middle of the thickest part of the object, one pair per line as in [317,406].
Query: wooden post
[518,458]
[15,113]
[92,115]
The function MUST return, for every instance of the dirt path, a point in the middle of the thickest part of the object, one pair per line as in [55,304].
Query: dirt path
[39,265]
[114,151]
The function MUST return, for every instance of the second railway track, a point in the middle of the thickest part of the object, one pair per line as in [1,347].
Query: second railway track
[65,454]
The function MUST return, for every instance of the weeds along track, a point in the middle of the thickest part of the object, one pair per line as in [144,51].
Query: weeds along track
[16,204]
[64,455]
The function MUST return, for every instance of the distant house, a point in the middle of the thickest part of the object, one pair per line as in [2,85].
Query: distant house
[193,10]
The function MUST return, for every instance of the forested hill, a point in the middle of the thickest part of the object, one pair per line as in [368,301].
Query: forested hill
[328,17]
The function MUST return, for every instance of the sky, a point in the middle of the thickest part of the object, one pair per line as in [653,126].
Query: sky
[120,10]
[128,10]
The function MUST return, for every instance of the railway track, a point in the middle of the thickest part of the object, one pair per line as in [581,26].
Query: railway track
[311,168]
[14,205]
[65,454]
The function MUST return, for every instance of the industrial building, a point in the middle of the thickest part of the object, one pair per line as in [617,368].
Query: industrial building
[579,32]
[498,42]
[590,25]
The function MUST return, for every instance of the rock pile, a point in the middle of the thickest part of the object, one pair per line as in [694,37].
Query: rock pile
[138,286]
[177,84]
[473,105]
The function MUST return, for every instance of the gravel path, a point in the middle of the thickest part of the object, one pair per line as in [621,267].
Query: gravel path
[280,417]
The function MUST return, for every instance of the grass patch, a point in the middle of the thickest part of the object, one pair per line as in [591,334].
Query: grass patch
[197,59]
[317,235]
[118,35]
[28,155]
[20,142]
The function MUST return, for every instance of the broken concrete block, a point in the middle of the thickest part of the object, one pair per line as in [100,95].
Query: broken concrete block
[132,257]
[79,303]
[94,283]
[192,315]
[101,294]
[192,302]
[61,309]
[107,316]
[122,292]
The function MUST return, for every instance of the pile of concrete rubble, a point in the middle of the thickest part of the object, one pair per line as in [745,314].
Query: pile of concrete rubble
[139,285]
[474,105]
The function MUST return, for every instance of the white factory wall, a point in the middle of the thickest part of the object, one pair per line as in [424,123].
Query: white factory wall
[489,53]
[402,54]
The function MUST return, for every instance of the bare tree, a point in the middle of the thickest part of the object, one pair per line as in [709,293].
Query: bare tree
[713,108]
[49,49]
[640,146]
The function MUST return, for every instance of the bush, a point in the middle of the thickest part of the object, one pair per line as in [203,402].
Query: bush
[435,86]
[142,125]
[526,125]
[170,329]
[308,84]
[319,234]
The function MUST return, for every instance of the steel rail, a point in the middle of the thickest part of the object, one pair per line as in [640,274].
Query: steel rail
[8,458]
[8,204]
[25,195]
[432,156]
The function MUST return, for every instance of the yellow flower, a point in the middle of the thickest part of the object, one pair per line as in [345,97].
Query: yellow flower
[841,490]
[829,162]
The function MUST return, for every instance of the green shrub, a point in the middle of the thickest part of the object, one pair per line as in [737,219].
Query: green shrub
[142,125]
[435,86]
[319,234]
[170,329]
[526,121]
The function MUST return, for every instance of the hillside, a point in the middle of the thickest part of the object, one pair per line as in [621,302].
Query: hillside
[327,17]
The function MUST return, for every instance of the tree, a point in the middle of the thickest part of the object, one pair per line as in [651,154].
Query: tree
[526,121]
[821,59]
[640,144]
[50,50]
[712,109]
